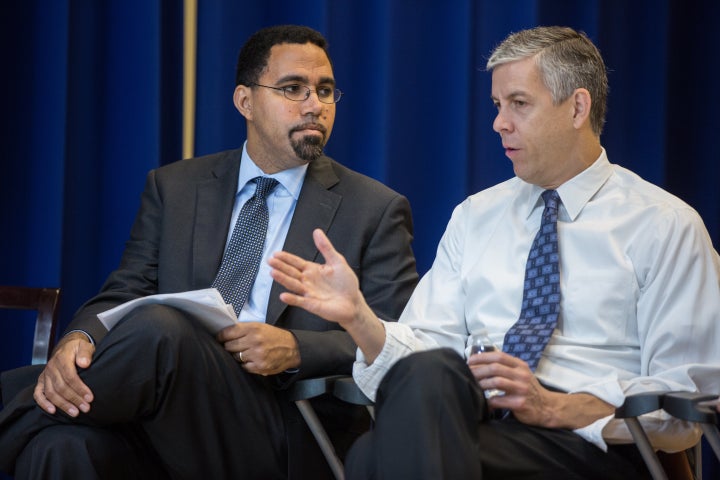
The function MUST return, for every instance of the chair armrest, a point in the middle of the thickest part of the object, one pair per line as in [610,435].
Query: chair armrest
[640,404]
[347,390]
[633,407]
[312,387]
[686,406]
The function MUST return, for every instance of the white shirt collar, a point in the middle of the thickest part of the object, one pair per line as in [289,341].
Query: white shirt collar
[576,192]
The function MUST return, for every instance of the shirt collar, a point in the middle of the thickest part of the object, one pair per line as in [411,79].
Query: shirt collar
[291,179]
[576,192]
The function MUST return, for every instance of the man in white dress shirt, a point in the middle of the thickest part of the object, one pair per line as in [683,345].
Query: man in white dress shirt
[639,307]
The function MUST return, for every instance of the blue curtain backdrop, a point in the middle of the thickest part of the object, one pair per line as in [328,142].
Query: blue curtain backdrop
[92,101]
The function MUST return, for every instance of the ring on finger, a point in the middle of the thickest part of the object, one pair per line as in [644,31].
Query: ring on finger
[239,357]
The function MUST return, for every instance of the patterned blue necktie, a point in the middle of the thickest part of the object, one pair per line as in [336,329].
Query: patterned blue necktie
[241,261]
[541,294]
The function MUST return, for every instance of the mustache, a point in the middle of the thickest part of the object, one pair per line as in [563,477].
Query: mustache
[309,126]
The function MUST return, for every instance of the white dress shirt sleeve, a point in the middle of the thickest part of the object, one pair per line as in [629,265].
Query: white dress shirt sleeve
[679,275]
[434,316]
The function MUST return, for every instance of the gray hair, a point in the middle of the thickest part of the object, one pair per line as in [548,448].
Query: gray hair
[566,60]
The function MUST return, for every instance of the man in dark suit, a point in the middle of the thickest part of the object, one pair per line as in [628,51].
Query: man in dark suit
[159,395]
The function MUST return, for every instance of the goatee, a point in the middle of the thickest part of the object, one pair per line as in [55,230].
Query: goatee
[308,148]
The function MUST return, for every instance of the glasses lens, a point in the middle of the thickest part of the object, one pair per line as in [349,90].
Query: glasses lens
[328,95]
[297,93]
[300,93]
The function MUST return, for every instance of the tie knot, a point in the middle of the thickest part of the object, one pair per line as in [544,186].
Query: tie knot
[551,198]
[264,186]
[552,202]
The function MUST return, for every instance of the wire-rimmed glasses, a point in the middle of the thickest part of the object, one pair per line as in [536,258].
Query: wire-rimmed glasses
[300,93]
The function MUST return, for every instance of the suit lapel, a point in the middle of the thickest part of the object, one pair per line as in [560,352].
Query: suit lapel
[316,208]
[215,197]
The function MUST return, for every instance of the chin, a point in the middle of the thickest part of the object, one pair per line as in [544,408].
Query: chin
[309,148]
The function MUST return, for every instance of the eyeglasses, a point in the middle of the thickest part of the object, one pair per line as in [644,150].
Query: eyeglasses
[300,93]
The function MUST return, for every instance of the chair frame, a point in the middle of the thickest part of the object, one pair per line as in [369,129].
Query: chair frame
[342,387]
[683,405]
[46,302]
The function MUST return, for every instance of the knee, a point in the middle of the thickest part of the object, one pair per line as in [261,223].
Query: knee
[74,451]
[156,319]
[52,449]
[155,323]
[155,328]
[423,373]
[427,365]
[432,381]
[59,438]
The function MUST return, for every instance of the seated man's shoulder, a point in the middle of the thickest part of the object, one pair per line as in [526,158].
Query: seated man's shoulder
[214,162]
[351,181]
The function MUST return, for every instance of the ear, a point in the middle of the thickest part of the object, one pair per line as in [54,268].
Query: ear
[581,105]
[242,98]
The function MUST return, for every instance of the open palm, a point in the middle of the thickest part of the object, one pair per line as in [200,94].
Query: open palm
[330,290]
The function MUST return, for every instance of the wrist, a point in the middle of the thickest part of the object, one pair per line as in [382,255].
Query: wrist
[577,410]
[78,334]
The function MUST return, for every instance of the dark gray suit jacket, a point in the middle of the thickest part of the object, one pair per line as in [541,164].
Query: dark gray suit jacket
[178,238]
[177,242]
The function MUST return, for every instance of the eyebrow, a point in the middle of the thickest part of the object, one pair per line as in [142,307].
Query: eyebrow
[304,80]
[511,95]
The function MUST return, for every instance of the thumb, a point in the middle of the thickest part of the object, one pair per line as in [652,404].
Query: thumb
[84,354]
[325,247]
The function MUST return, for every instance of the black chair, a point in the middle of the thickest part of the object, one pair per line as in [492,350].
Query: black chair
[43,300]
[687,406]
[342,387]
[699,408]
[685,465]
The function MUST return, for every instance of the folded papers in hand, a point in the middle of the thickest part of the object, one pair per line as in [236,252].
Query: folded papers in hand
[207,306]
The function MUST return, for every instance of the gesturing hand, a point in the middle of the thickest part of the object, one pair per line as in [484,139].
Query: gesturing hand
[330,290]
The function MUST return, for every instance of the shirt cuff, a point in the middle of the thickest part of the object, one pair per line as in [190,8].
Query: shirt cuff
[607,390]
[399,342]
[593,433]
[89,337]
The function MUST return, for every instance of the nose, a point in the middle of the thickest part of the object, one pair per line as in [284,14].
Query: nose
[312,103]
[501,124]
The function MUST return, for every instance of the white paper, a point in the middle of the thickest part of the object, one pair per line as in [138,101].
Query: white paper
[207,306]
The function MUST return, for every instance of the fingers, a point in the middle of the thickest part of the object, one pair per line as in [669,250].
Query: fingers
[264,349]
[227,333]
[239,357]
[287,263]
[59,385]
[40,398]
[235,332]
[500,370]
[61,393]
[287,276]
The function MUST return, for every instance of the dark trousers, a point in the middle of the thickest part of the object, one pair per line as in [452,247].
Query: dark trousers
[168,398]
[432,423]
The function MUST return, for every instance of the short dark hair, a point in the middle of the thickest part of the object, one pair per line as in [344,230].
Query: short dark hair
[254,55]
